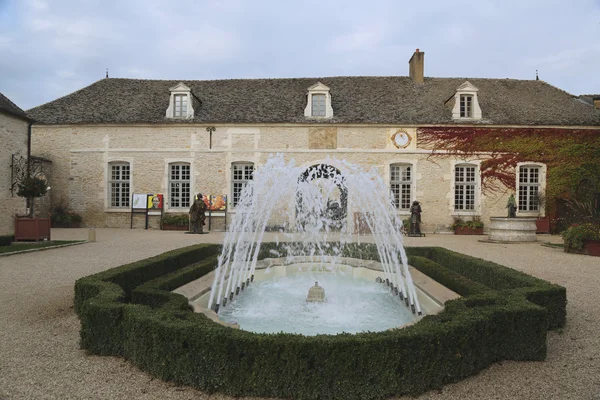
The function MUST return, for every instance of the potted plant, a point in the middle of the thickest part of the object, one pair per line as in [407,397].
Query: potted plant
[471,227]
[175,222]
[27,227]
[582,238]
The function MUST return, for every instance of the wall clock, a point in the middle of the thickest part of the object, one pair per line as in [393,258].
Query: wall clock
[401,139]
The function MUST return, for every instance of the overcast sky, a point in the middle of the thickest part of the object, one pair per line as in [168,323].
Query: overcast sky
[49,48]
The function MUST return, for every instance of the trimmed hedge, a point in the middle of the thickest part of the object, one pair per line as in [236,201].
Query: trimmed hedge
[7,240]
[499,278]
[158,333]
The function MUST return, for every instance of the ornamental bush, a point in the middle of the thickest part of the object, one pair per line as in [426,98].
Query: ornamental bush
[473,223]
[7,240]
[577,234]
[176,219]
[130,311]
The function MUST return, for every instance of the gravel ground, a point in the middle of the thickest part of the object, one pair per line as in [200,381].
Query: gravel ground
[39,331]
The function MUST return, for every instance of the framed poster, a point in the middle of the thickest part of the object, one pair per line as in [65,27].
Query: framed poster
[218,202]
[140,201]
[155,202]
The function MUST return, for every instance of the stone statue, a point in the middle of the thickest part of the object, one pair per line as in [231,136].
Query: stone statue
[512,206]
[197,214]
[415,219]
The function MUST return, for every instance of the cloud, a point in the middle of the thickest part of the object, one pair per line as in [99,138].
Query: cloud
[52,48]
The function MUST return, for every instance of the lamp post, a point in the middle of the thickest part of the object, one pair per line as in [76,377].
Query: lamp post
[210,130]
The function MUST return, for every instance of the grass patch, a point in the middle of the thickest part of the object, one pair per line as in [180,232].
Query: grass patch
[43,245]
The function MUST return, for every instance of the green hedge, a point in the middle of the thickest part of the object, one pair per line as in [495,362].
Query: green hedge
[99,298]
[499,278]
[158,333]
[7,240]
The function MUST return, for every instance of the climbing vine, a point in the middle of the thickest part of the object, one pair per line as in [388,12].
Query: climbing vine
[571,155]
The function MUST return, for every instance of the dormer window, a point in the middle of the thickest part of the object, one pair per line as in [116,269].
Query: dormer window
[319,102]
[318,105]
[180,102]
[466,106]
[466,103]
[180,105]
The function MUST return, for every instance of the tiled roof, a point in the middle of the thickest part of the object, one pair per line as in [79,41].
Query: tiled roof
[377,100]
[9,107]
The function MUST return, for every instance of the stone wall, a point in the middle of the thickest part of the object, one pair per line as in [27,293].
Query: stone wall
[80,157]
[13,136]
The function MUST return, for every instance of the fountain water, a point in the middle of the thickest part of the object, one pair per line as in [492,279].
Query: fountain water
[311,205]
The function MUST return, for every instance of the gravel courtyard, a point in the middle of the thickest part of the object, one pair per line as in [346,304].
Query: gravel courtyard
[39,331]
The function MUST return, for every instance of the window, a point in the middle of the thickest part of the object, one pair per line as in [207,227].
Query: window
[466,106]
[318,105]
[318,102]
[180,105]
[400,184]
[465,183]
[529,187]
[466,103]
[179,185]
[119,184]
[242,173]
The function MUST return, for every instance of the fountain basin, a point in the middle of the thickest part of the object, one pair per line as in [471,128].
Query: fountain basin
[355,302]
[512,230]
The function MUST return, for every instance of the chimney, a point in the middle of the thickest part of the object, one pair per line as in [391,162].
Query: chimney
[596,102]
[417,67]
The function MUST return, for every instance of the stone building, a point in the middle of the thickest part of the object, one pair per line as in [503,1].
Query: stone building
[117,137]
[14,133]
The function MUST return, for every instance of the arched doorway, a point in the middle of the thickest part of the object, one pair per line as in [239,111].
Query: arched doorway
[332,186]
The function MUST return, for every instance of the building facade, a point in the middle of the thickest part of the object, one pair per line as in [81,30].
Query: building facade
[118,137]
[14,131]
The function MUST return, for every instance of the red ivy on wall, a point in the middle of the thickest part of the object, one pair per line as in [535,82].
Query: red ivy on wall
[569,154]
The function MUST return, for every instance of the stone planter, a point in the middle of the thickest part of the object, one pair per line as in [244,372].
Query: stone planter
[465,230]
[32,229]
[512,230]
[171,227]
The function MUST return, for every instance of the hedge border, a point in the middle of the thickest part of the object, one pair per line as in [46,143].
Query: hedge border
[162,336]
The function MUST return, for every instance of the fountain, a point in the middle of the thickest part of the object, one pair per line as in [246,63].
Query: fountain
[311,206]
[316,294]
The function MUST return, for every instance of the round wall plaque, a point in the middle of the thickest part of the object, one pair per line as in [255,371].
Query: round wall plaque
[401,139]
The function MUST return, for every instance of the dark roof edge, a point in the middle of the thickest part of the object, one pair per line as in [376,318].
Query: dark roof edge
[14,109]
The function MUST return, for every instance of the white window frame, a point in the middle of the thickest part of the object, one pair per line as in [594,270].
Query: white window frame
[180,107]
[474,184]
[527,186]
[403,184]
[466,89]
[180,90]
[466,105]
[180,201]
[121,183]
[318,89]
[239,183]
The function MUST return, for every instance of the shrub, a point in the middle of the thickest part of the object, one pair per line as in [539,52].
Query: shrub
[159,334]
[175,219]
[61,215]
[576,234]
[7,240]
[474,223]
